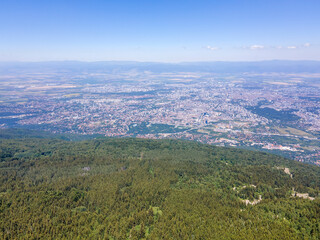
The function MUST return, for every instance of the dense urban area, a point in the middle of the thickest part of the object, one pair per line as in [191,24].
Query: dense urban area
[274,112]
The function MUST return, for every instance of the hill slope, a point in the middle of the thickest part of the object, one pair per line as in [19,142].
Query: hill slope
[153,189]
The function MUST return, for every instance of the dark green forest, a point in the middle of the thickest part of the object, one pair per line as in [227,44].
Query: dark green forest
[51,188]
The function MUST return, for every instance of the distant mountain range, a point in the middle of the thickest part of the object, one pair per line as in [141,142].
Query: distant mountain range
[284,66]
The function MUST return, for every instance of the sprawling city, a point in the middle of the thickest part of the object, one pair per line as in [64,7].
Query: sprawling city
[144,120]
[272,111]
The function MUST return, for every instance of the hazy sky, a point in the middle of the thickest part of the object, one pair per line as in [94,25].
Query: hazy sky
[159,30]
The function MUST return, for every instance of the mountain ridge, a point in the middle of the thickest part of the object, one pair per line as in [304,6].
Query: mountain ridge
[292,66]
[126,188]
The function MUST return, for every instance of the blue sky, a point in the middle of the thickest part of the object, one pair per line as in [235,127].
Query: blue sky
[159,30]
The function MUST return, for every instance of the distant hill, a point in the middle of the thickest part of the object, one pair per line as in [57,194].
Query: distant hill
[152,189]
[118,66]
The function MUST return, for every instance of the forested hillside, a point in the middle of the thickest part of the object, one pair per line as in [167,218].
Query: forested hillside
[153,189]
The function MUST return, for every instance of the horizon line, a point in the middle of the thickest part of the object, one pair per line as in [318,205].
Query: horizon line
[161,62]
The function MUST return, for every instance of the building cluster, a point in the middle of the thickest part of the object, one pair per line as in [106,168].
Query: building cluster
[204,107]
